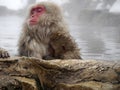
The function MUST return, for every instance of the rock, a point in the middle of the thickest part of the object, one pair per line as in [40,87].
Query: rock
[22,73]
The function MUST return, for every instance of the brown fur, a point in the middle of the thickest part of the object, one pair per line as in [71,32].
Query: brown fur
[50,38]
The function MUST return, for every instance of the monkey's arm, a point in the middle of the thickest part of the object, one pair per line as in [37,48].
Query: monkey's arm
[64,45]
[22,43]
[4,53]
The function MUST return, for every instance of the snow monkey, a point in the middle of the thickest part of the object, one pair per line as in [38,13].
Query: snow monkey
[45,34]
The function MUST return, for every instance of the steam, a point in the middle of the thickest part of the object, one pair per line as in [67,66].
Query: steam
[60,2]
[12,4]
[116,7]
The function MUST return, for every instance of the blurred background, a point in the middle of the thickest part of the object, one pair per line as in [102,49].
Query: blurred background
[95,25]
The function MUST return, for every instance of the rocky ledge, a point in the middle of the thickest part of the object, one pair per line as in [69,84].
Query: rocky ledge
[22,73]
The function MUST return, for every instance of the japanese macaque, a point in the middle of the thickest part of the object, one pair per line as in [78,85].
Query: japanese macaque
[4,53]
[45,34]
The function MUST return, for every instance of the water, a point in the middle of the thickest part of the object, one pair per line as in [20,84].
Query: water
[95,42]
[10,27]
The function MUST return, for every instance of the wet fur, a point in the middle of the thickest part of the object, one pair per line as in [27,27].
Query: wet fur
[49,39]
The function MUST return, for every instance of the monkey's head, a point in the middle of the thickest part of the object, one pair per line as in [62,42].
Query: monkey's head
[44,13]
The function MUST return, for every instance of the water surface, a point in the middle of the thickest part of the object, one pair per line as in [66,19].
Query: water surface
[95,42]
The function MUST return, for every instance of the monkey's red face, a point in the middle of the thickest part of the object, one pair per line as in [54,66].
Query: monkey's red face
[35,14]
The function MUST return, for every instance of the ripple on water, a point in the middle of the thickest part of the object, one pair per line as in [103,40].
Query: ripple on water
[95,42]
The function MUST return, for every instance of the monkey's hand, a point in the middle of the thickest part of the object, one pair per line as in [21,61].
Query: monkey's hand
[4,53]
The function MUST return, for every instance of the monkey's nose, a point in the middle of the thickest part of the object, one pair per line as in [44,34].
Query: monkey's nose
[33,16]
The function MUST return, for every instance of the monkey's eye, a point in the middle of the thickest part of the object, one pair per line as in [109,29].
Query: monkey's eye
[39,9]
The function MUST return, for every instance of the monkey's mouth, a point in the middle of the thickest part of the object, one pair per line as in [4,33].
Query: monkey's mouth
[33,22]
